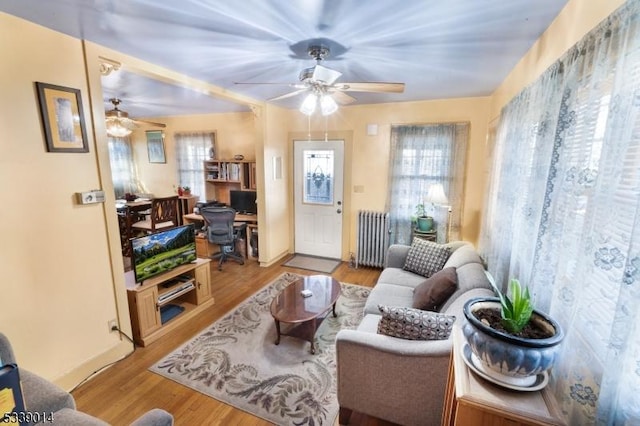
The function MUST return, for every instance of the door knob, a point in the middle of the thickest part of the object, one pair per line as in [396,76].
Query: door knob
[339,211]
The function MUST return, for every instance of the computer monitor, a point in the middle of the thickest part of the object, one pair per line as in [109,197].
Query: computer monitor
[243,201]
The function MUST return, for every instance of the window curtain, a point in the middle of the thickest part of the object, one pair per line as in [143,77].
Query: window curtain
[563,215]
[421,156]
[123,169]
[192,149]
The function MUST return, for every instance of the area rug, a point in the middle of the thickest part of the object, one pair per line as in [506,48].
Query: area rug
[312,263]
[235,360]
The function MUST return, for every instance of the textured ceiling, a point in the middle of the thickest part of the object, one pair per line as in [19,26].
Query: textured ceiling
[444,49]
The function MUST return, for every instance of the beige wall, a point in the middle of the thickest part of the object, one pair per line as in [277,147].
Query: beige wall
[367,172]
[234,135]
[56,286]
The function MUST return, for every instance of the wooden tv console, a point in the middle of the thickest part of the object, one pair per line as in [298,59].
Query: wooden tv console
[188,286]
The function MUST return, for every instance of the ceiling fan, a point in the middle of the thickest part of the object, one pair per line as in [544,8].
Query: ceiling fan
[320,84]
[119,124]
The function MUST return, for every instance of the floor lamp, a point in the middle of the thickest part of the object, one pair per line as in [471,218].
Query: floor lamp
[437,197]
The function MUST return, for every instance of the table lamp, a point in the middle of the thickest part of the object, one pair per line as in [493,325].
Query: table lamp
[437,197]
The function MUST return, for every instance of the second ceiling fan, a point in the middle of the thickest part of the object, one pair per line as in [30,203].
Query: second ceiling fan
[321,85]
[119,124]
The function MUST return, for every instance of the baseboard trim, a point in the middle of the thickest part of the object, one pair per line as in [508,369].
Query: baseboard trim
[93,366]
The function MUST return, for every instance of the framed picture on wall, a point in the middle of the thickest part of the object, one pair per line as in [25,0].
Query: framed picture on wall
[62,118]
[155,146]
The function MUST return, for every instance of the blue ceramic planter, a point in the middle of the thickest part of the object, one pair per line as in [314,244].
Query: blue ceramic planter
[511,357]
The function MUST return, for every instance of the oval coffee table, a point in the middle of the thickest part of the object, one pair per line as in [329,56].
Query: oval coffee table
[304,314]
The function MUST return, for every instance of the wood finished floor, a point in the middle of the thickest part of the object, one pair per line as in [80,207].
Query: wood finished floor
[123,392]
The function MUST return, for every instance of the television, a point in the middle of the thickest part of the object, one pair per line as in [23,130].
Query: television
[162,251]
[243,201]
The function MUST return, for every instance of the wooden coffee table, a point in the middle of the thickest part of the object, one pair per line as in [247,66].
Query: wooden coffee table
[303,315]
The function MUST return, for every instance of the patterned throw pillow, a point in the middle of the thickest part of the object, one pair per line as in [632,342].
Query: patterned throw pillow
[414,324]
[426,258]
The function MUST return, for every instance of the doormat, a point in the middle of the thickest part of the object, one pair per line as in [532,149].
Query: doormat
[312,263]
[235,360]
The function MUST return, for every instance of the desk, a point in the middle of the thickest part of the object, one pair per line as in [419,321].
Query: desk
[202,244]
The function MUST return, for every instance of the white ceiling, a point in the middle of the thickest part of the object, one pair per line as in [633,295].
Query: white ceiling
[439,49]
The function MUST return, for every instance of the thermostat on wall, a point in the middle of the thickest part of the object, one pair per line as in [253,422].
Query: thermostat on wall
[90,197]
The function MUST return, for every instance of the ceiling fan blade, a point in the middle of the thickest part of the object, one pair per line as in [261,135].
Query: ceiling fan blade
[288,95]
[151,123]
[378,87]
[325,75]
[342,98]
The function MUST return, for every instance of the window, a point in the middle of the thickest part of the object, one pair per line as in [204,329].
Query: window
[420,157]
[123,169]
[192,149]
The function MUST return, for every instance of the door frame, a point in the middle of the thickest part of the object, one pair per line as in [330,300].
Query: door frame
[348,220]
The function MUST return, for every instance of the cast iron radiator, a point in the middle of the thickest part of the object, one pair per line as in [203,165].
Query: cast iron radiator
[373,238]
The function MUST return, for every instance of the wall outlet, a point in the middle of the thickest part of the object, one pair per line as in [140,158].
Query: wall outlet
[113,325]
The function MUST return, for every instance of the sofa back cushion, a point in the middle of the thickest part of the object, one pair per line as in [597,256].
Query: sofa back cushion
[463,255]
[470,276]
[433,292]
[426,258]
[414,324]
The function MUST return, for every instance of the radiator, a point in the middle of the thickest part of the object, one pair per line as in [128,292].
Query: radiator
[373,238]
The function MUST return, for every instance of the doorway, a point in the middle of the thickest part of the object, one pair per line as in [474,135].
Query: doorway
[318,197]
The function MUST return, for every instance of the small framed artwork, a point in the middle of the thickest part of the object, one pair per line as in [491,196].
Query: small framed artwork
[62,118]
[155,146]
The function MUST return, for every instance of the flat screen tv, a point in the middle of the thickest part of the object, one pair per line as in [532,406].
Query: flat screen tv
[162,251]
[243,201]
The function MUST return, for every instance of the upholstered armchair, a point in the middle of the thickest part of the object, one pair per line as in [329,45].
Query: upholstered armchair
[42,396]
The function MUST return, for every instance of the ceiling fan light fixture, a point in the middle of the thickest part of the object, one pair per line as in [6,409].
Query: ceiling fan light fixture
[309,104]
[117,128]
[328,105]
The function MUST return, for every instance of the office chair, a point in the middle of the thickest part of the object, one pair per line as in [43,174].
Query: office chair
[163,215]
[222,231]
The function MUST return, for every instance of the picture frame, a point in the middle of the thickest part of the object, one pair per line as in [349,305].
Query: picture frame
[155,146]
[62,118]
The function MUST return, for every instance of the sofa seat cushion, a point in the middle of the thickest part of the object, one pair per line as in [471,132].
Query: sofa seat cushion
[414,324]
[435,290]
[388,294]
[426,258]
[369,323]
[398,276]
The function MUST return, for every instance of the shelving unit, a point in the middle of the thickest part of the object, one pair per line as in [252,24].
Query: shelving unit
[187,286]
[222,176]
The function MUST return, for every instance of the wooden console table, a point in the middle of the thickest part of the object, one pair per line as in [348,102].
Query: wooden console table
[473,401]
[147,299]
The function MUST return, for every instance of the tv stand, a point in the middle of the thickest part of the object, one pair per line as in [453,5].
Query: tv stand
[188,287]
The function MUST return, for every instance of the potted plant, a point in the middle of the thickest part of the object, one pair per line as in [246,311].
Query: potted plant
[424,222]
[186,191]
[513,341]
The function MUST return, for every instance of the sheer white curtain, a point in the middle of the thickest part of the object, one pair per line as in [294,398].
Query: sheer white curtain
[423,155]
[564,215]
[123,169]
[192,149]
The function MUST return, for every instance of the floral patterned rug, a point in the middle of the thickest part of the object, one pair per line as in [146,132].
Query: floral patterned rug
[236,361]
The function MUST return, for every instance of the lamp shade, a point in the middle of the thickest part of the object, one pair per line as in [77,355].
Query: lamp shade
[309,104]
[436,195]
[328,105]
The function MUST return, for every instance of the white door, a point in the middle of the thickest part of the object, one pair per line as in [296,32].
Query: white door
[318,169]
